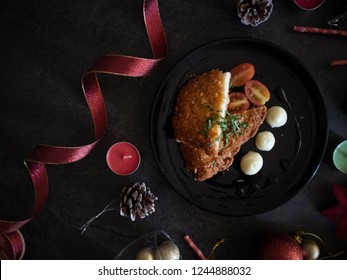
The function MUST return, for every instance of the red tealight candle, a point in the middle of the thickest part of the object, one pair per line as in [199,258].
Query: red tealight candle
[123,158]
[308,4]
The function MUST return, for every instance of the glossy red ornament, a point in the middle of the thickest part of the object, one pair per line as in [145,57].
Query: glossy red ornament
[280,246]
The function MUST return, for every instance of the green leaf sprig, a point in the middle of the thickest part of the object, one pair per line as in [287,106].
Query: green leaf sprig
[229,125]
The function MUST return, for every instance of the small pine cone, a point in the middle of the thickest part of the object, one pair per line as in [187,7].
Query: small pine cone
[254,12]
[137,200]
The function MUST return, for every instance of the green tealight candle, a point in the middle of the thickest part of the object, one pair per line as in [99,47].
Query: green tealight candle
[340,157]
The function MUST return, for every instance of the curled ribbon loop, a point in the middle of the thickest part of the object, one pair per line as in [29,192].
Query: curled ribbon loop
[12,246]
[109,64]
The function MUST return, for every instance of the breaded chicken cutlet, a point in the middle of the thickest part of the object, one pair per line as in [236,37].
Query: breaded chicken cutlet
[208,135]
[203,95]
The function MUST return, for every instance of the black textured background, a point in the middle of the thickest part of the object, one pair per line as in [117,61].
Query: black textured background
[46,46]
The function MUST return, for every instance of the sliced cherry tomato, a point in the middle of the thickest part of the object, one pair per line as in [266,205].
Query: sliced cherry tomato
[257,92]
[242,73]
[238,102]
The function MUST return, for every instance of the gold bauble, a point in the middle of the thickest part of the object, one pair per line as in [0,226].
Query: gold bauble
[310,249]
[168,250]
[145,254]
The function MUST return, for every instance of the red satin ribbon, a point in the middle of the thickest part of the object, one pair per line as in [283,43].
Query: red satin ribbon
[109,64]
[12,246]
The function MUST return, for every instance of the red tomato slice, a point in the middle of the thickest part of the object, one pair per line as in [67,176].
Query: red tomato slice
[242,73]
[238,102]
[257,92]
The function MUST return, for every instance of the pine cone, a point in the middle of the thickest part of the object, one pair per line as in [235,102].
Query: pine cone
[254,12]
[137,200]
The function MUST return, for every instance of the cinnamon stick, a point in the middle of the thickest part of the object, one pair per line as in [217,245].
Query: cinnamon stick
[326,31]
[339,62]
[195,248]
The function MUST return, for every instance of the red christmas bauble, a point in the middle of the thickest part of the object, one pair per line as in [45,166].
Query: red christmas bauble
[280,246]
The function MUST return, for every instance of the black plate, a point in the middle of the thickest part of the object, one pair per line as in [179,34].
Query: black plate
[287,167]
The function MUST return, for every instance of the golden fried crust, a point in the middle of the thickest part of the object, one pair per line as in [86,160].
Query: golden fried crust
[203,96]
[205,165]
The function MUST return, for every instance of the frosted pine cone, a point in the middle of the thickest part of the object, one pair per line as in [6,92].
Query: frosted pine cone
[137,200]
[254,12]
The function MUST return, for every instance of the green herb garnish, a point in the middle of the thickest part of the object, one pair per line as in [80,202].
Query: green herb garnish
[229,125]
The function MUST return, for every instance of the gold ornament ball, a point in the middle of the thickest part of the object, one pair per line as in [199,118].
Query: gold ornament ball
[168,250]
[310,249]
[145,254]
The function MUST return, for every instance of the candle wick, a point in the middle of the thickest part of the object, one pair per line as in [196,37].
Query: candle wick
[127,156]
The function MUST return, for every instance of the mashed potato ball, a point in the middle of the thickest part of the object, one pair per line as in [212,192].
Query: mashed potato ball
[251,163]
[276,116]
[265,141]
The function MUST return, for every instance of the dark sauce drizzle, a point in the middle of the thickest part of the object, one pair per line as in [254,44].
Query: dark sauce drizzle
[244,186]
[282,96]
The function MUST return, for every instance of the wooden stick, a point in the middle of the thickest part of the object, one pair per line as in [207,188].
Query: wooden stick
[307,29]
[339,62]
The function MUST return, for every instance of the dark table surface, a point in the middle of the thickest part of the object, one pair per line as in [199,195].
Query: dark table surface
[46,46]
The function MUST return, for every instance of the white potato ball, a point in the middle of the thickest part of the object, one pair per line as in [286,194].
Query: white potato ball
[251,163]
[265,141]
[276,116]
